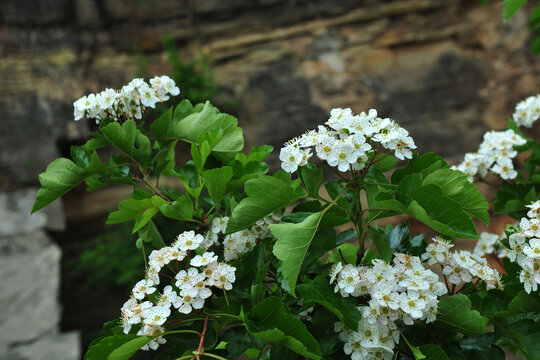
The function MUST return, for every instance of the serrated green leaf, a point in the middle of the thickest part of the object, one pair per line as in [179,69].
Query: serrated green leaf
[163,126]
[511,7]
[265,195]
[319,291]
[61,176]
[216,181]
[129,140]
[441,213]
[423,165]
[117,347]
[180,209]
[292,244]
[312,178]
[189,127]
[455,312]
[271,323]
[142,211]
[454,185]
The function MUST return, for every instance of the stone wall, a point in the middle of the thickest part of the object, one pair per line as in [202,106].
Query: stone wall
[30,273]
[445,69]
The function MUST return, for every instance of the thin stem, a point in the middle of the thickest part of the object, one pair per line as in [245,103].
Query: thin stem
[379,159]
[371,161]
[202,337]
[358,222]
[181,332]
[445,280]
[144,256]
[167,276]
[185,318]
[262,351]
[381,184]
[223,314]
[226,299]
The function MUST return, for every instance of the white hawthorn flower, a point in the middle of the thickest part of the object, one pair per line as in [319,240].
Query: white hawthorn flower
[532,249]
[142,288]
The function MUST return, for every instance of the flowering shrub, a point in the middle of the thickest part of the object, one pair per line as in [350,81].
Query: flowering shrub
[293,265]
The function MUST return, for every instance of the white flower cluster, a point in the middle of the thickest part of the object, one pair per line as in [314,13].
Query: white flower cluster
[495,154]
[191,287]
[127,103]
[489,244]
[461,266]
[525,248]
[527,111]
[240,242]
[347,139]
[405,290]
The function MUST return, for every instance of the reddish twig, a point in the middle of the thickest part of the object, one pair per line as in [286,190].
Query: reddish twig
[199,350]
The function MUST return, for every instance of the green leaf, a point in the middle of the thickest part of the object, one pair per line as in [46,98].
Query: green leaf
[523,302]
[423,165]
[481,347]
[383,247]
[61,176]
[238,341]
[129,140]
[312,178]
[180,209]
[348,251]
[163,126]
[511,7]
[417,353]
[292,244]
[142,211]
[216,181]
[118,347]
[189,127]
[433,352]
[454,185]
[150,234]
[265,195]
[438,212]
[259,153]
[526,333]
[455,312]
[383,162]
[271,323]
[319,291]
[345,236]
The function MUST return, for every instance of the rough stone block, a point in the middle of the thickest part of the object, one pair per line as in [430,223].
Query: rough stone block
[30,273]
[58,347]
[15,208]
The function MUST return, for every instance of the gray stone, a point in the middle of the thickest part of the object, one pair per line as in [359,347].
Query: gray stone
[15,217]
[30,273]
[56,219]
[277,105]
[28,140]
[64,346]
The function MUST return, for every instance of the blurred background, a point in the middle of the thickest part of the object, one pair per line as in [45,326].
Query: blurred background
[446,70]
